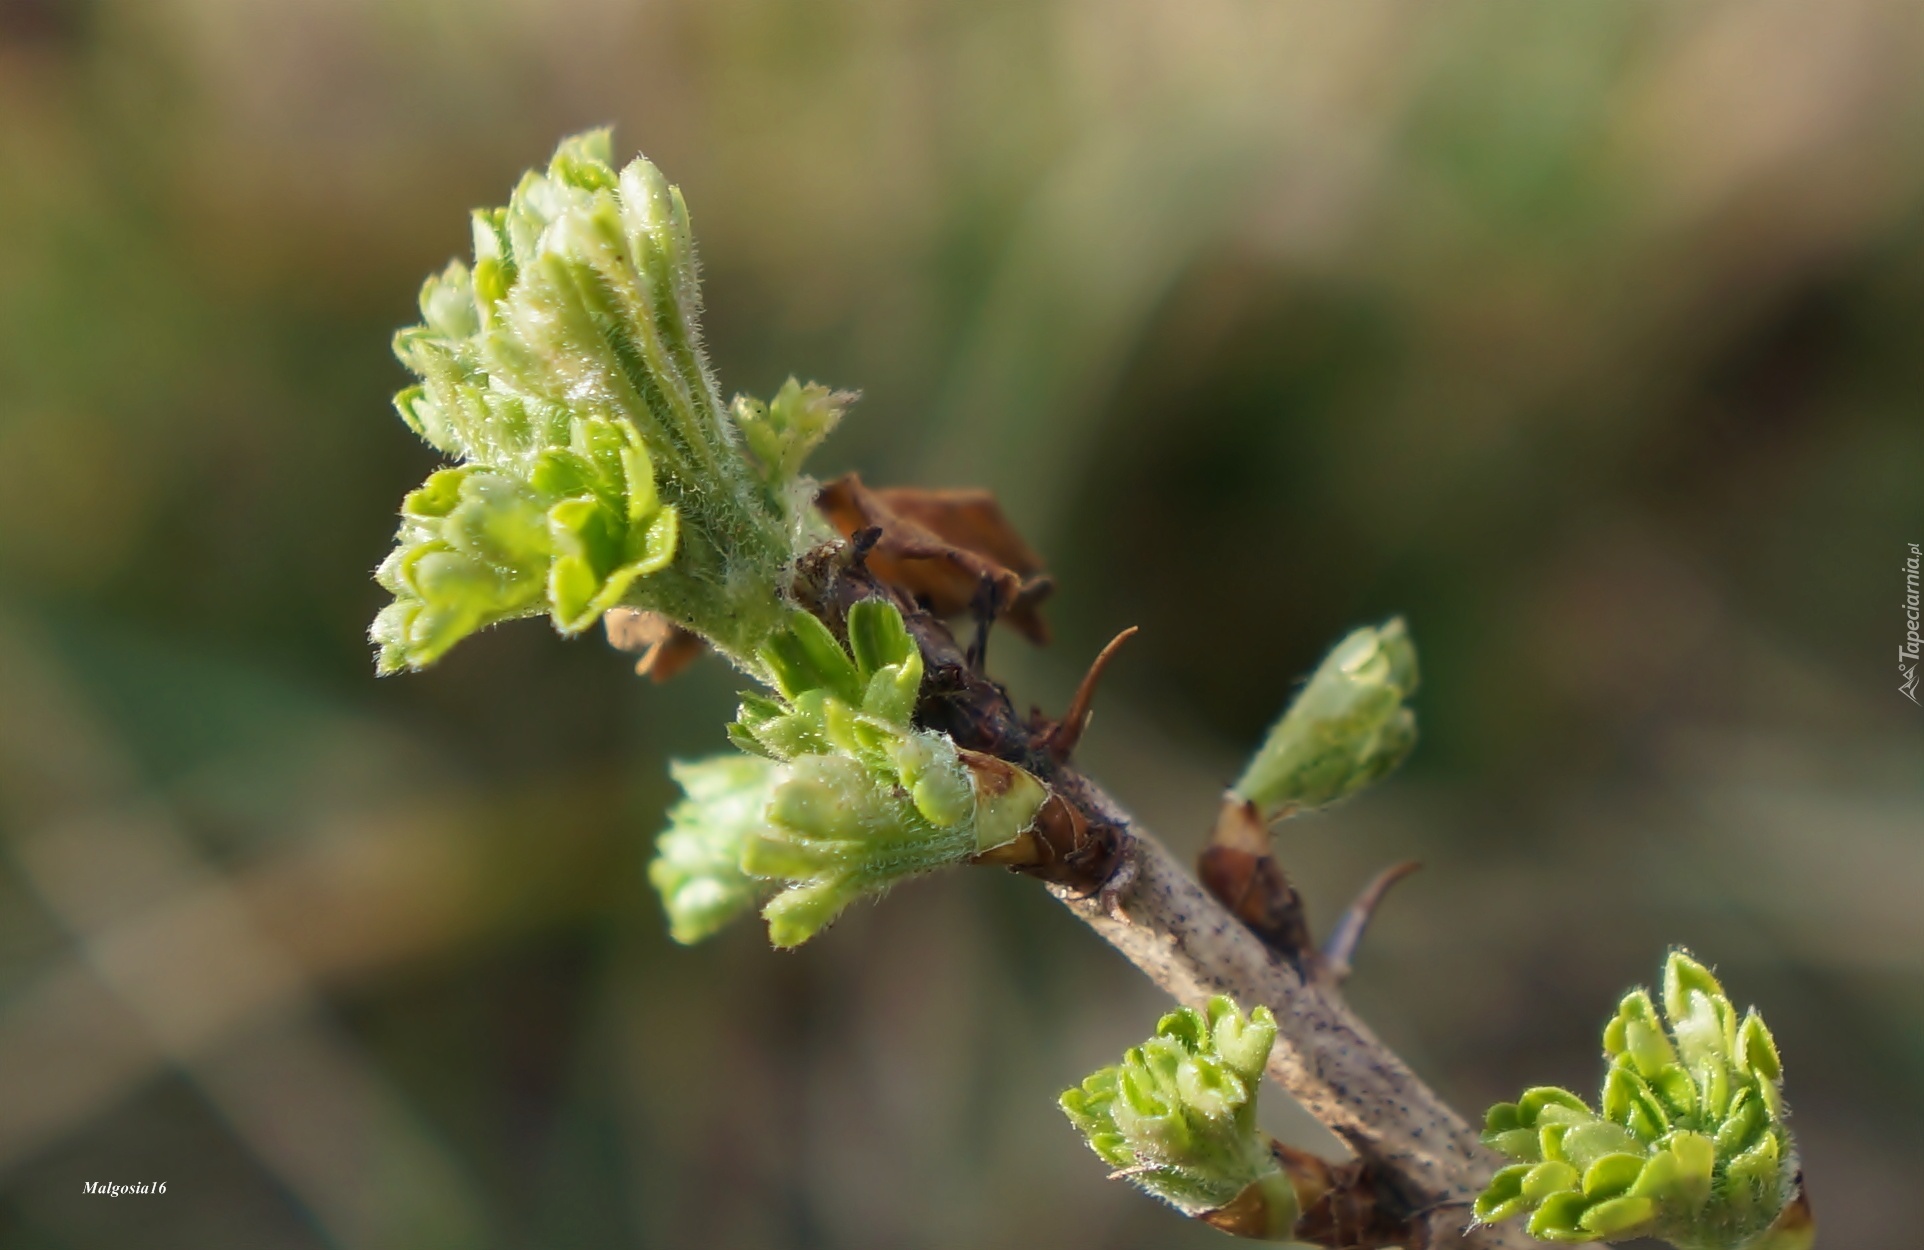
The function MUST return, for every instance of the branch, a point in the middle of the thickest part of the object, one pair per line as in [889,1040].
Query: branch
[598,467]
[1328,1060]
[1121,882]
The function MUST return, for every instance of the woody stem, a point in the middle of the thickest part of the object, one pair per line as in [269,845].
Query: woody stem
[1327,1059]
[1122,883]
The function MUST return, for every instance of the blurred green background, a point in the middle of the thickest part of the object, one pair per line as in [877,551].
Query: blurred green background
[1585,335]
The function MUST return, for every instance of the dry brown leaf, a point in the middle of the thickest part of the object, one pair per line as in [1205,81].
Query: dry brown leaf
[942,546]
[666,648]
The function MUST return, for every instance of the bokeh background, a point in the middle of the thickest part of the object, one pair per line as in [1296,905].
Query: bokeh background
[1585,335]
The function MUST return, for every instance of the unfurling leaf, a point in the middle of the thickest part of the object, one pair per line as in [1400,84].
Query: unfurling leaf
[1688,1143]
[596,465]
[477,546]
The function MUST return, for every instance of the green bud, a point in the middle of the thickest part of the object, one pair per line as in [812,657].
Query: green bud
[697,864]
[1688,1143]
[784,431]
[1347,728]
[941,788]
[1549,1105]
[564,373]
[1178,1116]
[1244,1042]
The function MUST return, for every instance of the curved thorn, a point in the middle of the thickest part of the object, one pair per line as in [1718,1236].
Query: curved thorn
[1348,933]
[860,543]
[1113,891]
[1068,731]
[985,605]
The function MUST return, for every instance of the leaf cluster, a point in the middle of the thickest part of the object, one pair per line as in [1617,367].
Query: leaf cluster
[1177,1116]
[852,796]
[1688,1142]
[563,371]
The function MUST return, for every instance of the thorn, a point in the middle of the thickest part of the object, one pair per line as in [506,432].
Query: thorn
[1348,933]
[985,605]
[1430,1229]
[1120,882]
[1062,739]
[860,543]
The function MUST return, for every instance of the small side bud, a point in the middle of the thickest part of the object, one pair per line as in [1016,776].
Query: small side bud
[1349,726]
[1177,1118]
[784,431]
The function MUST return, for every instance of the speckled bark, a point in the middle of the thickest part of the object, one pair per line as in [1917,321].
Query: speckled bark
[1328,1060]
